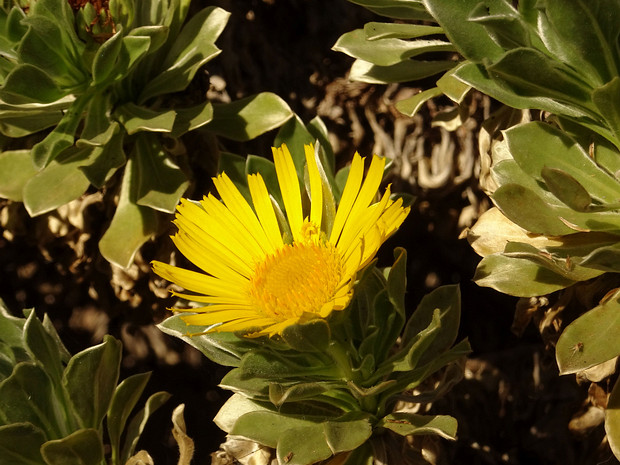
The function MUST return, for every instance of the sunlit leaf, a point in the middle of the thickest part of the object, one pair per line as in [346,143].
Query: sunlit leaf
[16,168]
[590,339]
[132,224]
[90,379]
[247,118]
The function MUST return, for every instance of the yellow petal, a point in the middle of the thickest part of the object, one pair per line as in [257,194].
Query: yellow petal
[289,187]
[316,186]
[264,210]
[240,208]
[349,194]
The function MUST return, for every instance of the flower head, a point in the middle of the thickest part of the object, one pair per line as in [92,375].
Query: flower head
[265,268]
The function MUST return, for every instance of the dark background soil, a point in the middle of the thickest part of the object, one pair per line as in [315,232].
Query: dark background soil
[512,406]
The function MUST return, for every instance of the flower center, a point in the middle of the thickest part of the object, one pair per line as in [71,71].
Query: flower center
[299,278]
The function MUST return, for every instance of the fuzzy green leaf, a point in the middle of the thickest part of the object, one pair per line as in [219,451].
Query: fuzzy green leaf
[43,348]
[57,184]
[138,423]
[537,145]
[27,83]
[470,38]
[410,70]
[28,396]
[90,379]
[566,188]
[448,300]
[388,51]
[249,117]
[136,118]
[400,9]
[312,336]
[124,400]
[518,276]
[20,444]
[591,338]
[132,224]
[411,423]
[106,58]
[375,30]
[159,181]
[223,348]
[193,47]
[410,106]
[478,77]
[83,447]
[612,419]
[16,169]
[188,119]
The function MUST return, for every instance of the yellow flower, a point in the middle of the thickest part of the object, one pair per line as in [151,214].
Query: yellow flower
[261,274]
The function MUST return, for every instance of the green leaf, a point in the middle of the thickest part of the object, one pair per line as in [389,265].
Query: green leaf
[400,9]
[188,119]
[16,168]
[604,98]
[103,160]
[132,224]
[375,31]
[22,120]
[28,396]
[20,444]
[536,145]
[312,336]
[90,379]
[448,300]
[62,136]
[27,83]
[530,211]
[279,394]
[612,419]
[106,58]
[453,87]
[160,182]
[57,184]
[518,276]
[469,37]
[592,49]
[418,346]
[193,47]
[222,348]
[410,70]
[138,423]
[43,348]
[83,447]
[566,188]
[136,118]
[478,77]
[388,51]
[528,72]
[410,106]
[404,423]
[269,364]
[249,117]
[591,338]
[321,439]
[124,400]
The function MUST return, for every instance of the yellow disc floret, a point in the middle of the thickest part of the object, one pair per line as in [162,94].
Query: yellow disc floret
[299,278]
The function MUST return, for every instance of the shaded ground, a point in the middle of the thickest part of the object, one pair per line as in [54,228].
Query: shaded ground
[512,407]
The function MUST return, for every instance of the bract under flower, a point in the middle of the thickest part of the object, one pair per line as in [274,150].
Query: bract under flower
[256,282]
